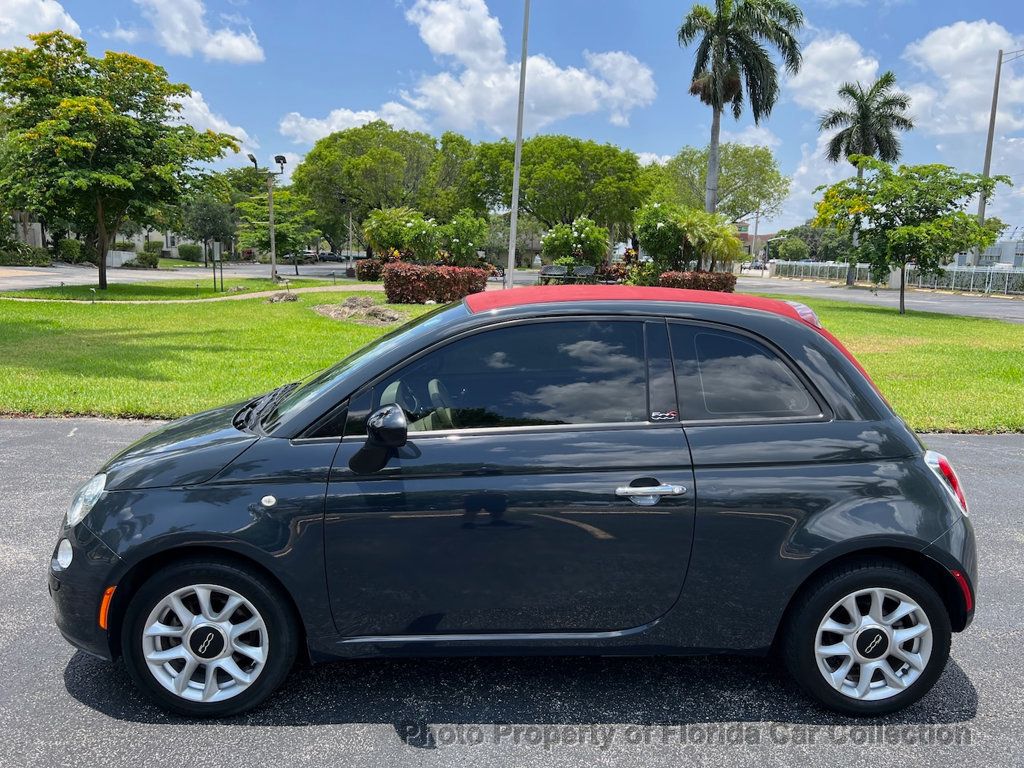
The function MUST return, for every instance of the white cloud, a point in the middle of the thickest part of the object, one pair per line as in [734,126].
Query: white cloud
[752,136]
[307,130]
[650,158]
[123,34]
[958,65]
[462,29]
[480,86]
[180,28]
[197,113]
[19,18]
[830,61]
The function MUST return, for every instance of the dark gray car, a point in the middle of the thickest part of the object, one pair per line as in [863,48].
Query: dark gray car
[577,469]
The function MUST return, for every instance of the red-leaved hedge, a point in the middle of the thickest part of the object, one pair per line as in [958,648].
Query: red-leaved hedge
[406,283]
[369,270]
[724,282]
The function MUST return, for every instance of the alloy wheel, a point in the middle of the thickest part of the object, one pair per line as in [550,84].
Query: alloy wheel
[205,643]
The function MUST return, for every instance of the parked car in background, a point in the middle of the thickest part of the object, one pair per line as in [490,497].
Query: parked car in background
[577,469]
[331,256]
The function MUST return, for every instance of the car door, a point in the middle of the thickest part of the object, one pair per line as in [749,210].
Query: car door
[514,507]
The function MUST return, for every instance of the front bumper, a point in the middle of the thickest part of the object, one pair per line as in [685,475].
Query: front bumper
[77,591]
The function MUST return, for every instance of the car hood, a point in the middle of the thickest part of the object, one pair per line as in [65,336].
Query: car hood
[184,452]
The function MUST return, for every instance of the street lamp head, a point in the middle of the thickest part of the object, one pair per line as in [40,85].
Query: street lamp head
[280,160]
[252,159]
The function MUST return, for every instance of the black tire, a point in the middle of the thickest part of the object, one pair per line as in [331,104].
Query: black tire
[800,633]
[265,597]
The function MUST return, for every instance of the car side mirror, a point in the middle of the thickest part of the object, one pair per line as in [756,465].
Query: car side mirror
[388,427]
[387,430]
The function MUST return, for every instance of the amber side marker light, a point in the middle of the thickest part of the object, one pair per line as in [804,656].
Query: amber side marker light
[108,595]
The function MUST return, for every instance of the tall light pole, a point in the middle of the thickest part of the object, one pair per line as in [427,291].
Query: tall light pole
[517,165]
[987,168]
[280,160]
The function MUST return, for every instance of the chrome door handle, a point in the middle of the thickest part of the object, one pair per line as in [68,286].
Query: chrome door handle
[649,495]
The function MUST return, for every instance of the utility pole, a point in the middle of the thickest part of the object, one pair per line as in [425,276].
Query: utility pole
[514,214]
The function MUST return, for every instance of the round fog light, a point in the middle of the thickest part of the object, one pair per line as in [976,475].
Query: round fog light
[64,553]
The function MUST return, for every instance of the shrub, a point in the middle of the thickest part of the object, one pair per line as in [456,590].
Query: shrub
[388,229]
[22,255]
[724,282]
[369,270]
[190,252]
[71,251]
[153,246]
[462,237]
[406,283]
[123,245]
[144,261]
[642,273]
[612,273]
[584,242]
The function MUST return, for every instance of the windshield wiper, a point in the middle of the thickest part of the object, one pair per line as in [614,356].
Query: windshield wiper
[269,402]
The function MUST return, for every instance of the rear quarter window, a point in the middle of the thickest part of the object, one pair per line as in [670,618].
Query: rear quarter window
[725,376]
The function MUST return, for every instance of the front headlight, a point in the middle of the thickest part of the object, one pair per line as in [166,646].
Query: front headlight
[86,499]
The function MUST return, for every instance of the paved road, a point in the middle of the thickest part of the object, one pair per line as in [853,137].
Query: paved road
[59,707]
[996,307]
[22,278]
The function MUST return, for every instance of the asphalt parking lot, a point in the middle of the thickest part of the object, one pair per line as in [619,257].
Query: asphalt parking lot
[59,707]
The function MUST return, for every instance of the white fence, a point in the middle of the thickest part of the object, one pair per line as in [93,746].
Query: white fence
[969,279]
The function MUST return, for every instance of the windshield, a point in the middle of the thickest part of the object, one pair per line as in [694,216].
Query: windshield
[314,386]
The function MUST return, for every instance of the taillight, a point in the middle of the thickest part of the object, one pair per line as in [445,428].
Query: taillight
[940,465]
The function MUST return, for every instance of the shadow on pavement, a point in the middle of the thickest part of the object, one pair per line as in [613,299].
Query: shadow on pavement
[412,694]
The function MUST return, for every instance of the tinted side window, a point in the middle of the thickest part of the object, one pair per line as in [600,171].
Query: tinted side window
[572,372]
[722,375]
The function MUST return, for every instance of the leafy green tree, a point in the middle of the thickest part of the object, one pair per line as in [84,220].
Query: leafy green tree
[564,178]
[207,220]
[356,171]
[463,237]
[294,223]
[582,242]
[749,180]
[868,123]
[95,141]
[794,249]
[823,243]
[452,184]
[912,213]
[732,63]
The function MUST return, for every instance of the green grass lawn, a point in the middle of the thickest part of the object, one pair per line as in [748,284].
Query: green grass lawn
[176,263]
[161,289]
[940,372]
[163,360]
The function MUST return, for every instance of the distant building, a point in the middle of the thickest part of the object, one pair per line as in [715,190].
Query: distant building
[1009,253]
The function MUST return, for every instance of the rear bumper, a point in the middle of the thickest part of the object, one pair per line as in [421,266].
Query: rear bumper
[77,591]
[957,551]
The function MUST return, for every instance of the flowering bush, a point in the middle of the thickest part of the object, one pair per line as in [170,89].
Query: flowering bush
[462,237]
[388,229]
[724,282]
[406,283]
[584,242]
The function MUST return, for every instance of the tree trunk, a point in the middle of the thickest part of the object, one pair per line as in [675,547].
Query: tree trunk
[903,288]
[101,245]
[711,185]
[851,269]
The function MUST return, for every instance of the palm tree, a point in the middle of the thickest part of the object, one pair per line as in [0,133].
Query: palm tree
[732,63]
[869,122]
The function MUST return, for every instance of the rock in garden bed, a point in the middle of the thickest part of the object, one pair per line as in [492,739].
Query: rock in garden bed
[362,310]
[283,296]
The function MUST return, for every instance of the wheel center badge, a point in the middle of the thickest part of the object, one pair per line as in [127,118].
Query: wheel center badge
[872,644]
[206,642]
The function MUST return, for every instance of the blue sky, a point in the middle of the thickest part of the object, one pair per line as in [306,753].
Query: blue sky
[278,75]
